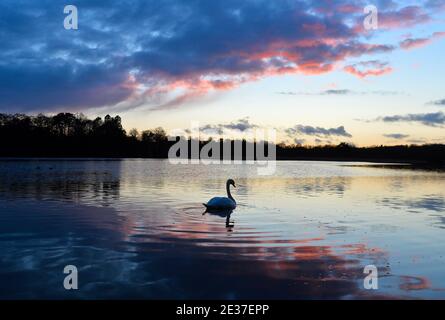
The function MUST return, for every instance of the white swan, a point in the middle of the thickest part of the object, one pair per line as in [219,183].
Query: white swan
[223,203]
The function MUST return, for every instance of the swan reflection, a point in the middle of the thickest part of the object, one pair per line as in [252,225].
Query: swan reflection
[223,213]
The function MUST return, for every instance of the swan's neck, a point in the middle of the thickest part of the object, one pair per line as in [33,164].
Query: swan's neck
[228,192]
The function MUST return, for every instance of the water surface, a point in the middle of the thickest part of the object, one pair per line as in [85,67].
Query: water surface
[135,229]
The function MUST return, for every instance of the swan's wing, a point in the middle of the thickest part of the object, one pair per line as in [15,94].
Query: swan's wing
[214,202]
[221,202]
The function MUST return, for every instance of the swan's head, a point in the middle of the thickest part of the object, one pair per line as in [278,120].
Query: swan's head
[231,182]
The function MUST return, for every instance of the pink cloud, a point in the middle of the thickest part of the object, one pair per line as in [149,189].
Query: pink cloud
[368,68]
[411,43]
[405,17]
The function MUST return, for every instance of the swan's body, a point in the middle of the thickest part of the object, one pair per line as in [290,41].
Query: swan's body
[222,203]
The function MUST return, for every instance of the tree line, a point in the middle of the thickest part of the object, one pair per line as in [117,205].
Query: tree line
[74,135]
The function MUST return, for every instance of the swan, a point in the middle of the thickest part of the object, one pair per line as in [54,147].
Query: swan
[223,203]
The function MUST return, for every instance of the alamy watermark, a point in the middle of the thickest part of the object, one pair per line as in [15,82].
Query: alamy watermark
[71,281]
[371,281]
[371,21]
[250,148]
[71,21]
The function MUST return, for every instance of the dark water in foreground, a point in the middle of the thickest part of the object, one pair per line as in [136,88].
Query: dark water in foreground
[135,229]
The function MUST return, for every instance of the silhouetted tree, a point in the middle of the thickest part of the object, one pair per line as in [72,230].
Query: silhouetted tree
[134,133]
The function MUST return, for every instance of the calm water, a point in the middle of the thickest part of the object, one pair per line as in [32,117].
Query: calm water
[136,229]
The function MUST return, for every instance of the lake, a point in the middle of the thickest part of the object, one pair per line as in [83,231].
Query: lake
[135,228]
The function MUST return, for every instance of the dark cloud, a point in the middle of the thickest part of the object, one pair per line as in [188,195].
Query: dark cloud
[435,119]
[318,131]
[295,132]
[336,92]
[341,92]
[299,142]
[61,86]
[322,142]
[241,125]
[166,52]
[396,136]
[438,102]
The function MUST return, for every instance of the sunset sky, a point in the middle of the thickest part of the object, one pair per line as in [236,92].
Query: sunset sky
[309,69]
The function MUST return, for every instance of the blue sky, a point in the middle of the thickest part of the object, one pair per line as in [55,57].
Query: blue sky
[306,68]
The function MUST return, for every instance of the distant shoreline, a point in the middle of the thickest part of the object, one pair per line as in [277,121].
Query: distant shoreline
[66,135]
[311,159]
